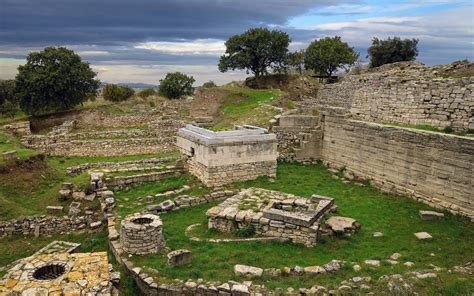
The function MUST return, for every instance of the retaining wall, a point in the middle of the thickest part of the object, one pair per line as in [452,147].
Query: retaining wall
[435,168]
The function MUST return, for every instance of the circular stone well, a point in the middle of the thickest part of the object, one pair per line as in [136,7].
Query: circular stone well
[49,272]
[141,234]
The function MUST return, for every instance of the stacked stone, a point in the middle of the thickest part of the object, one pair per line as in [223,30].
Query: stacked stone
[408,93]
[272,214]
[142,234]
[141,178]
[216,176]
[45,225]
[113,166]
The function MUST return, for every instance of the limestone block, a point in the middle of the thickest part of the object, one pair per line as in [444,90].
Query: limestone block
[179,257]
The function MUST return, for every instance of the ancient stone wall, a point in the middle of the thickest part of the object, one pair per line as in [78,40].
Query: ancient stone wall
[407,93]
[121,181]
[434,168]
[218,158]
[44,225]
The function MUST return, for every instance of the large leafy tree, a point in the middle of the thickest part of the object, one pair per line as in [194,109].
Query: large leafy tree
[392,50]
[326,55]
[7,91]
[296,60]
[256,50]
[175,85]
[54,79]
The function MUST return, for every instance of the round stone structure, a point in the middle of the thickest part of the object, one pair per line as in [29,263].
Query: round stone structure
[141,234]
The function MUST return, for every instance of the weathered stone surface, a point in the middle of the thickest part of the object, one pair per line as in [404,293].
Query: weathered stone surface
[223,157]
[431,215]
[55,209]
[378,234]
[342,225]
[10,155]
[247,271]
[141,234]
[375,263]
[179,257]
[314,269]
[423,235]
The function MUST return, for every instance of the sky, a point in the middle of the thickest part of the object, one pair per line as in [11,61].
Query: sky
[142,40]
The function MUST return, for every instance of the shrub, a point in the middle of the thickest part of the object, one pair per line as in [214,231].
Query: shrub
[176,85]
[147,92]
[246,231]
[392,50]
[115,93]
[209,84]
[54,79]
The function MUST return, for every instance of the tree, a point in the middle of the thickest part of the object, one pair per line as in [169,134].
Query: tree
[54,79]
[115,93]
[175,85]
[209,84]
[326,55]
[145,93]
[296,60]
[8,98]
[255,50]
[8,92]
[392,50]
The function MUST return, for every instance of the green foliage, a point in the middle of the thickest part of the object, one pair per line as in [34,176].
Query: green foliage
[8,109]
[176,85]
[256,50]
[147,92]
[209,84]
[115,93]
[392,50]
[296,60]
[54,79]
[8,92]
[246,231]
[326,55]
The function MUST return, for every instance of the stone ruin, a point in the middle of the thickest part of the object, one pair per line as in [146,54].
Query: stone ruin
[59,274]
[142,234]
[272,214]
[223,157]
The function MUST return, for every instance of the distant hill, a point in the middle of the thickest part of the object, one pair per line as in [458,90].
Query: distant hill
[134,85]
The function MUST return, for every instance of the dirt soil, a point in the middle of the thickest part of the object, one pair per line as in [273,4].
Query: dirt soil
[206,103]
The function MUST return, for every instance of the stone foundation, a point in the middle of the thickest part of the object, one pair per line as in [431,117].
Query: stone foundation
[59,274]
[141,234]
[271,214]
[219,158]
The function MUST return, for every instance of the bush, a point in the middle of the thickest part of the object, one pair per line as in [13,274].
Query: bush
[392,50]
[7,92]
[246,232]
[115,93]
[209,84]
[54,79]
[176,85]
[147,92]
[8,109]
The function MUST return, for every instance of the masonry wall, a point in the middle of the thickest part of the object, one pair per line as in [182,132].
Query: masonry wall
[407,93]
[435,168]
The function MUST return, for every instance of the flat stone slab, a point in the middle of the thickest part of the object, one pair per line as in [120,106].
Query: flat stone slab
[423,235]
[248,271]
[55,209]
[431,215]
[340,224]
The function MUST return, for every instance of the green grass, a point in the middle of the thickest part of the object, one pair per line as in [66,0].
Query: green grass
[9,142]
[15,247]
[247,106]
[395,216]
[128,202]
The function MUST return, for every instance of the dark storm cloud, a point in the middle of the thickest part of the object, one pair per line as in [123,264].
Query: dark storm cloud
[40,22]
